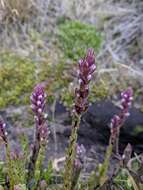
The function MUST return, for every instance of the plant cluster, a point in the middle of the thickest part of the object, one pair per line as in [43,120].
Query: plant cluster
[24,169]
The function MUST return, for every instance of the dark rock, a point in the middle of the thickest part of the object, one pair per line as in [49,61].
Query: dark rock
[95,122]
[93,132]
[94,127]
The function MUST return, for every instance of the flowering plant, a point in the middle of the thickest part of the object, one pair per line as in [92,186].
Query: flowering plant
[23,172]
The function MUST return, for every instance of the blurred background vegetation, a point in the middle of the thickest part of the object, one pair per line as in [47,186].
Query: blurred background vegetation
[41,41]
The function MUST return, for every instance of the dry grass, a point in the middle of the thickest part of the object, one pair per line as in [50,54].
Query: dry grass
[121,55]
[122,28]
[13,9]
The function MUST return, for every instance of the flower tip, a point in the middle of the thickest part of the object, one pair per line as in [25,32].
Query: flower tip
[90,52]
[80,61]
[90,57]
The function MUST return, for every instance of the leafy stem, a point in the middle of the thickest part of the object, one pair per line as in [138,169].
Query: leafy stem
[71,153]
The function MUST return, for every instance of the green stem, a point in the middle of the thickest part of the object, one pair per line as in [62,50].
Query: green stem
[71,153]
[9,167]
[39,166]
[98,177]
[54,129]
[105,165]
[75,179]
[33,159]
[117,141]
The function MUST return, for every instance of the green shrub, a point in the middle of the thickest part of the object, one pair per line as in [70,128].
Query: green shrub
[75,37]
[16,79]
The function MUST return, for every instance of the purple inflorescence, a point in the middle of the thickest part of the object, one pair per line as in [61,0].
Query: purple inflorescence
[44,133]
[80,155]
[38,99]
[126,101]
[86,69]
[3,133]
[38,103]
[118,120]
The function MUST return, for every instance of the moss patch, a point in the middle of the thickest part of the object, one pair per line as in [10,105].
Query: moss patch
[138,130]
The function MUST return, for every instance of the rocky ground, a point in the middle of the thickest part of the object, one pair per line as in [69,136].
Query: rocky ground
[93,133]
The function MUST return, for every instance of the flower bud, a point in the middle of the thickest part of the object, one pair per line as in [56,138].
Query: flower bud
[3,132]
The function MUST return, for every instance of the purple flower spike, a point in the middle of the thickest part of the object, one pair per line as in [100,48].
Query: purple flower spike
[44,133]
[80,155]
[118,120]
[87,67]
[38,103]
[127,97]
[38,99]
[3,133]
[86,70]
